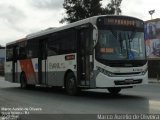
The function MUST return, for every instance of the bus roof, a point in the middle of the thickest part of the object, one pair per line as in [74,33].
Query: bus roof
[81,22]
[53,29]
[17,41]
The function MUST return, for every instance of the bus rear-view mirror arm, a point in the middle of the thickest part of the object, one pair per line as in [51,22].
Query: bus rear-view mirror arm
[95,35]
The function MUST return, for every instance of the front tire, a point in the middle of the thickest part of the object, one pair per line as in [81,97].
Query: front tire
[114,91]
[71,84]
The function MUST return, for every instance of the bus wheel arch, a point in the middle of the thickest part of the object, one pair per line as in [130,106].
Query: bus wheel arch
[70,83]
[114,91]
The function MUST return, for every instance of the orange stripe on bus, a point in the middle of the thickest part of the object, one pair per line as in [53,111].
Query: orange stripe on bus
[27,67]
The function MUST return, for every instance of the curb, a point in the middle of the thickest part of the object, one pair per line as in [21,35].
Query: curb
[153,81]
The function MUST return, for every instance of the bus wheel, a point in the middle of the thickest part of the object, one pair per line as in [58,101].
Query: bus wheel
[114,91]
[23,81]
[70,84]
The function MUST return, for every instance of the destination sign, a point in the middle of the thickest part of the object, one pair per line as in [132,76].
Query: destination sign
[114,21]
[120,21]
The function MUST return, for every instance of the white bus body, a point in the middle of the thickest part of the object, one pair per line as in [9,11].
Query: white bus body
[81,55]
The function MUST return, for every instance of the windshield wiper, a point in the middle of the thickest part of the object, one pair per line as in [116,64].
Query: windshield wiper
[130,37]
[114,33]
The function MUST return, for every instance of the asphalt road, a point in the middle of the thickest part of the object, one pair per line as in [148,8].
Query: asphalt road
[139,100]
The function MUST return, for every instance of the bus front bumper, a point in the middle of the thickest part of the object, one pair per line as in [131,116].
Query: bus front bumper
[103,80]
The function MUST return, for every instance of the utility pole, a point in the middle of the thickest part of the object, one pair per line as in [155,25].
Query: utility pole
[116,7]
[151,13]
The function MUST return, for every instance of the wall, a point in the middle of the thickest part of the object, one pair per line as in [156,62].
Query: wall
[152,40]
[2,60]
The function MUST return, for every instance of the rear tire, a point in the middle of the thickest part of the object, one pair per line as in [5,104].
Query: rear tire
[23,81]
[114,91]
[71,84]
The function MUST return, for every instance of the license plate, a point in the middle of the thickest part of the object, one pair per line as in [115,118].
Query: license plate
[129,81]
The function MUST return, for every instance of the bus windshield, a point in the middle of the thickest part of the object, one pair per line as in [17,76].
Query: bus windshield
[120,45]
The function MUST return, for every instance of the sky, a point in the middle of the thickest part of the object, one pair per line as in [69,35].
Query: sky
[19,18]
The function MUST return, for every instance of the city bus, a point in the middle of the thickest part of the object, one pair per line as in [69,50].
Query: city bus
[104,52]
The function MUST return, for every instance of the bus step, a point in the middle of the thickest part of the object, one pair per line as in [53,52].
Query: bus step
[41,85]
[82,86]
[85,83]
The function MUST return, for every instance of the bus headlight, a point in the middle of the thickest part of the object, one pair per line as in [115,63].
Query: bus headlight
[110,74]
[144,72]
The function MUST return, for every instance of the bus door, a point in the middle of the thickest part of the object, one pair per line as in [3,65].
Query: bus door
[42,62]
[14,64]
[83,56]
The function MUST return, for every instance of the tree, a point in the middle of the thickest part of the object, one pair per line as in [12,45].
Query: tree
[81,9]
[113,5]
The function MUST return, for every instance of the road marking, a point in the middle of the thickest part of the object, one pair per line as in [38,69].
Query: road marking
[154,106]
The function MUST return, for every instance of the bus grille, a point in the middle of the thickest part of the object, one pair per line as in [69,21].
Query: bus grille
[128,82]
[134,73]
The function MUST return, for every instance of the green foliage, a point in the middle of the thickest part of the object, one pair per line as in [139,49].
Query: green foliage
[81,9]
[111,5]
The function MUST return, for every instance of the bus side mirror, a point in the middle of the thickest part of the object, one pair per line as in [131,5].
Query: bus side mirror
[95,36]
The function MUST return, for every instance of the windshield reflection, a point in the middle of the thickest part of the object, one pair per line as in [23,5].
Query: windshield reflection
[120,45]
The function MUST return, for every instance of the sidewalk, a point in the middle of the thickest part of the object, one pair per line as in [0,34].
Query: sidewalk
[153,80]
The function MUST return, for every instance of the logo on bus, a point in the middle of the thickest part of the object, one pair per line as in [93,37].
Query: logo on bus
[137,70]
[56,65]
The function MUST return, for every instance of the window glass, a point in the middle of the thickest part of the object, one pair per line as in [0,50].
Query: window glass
[32,48]
[21,50]
[120,45]
[9,53]
[62,43]
[53,45]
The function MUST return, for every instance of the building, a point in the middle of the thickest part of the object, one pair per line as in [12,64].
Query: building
[152,39]
[2,59]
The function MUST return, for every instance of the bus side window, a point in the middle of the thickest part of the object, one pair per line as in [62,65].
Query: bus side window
[32,48]
[9,53]
[62,43]
[22,53]
[53,46]
[67,42]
